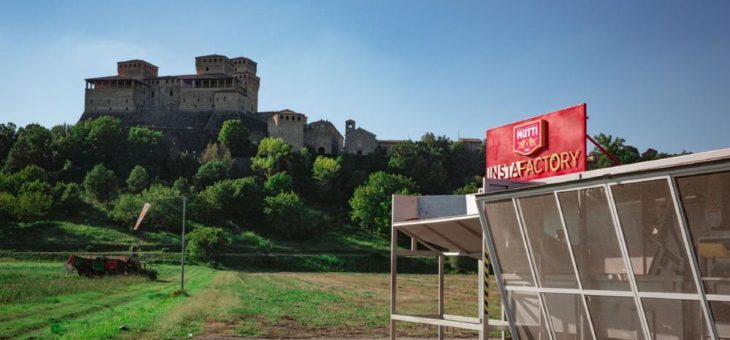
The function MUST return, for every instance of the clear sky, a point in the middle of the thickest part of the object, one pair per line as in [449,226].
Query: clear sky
[654,72]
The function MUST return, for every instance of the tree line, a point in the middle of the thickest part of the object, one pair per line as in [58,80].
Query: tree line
[99,165]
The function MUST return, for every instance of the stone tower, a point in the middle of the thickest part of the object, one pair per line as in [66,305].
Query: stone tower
[349,126]
[244,69]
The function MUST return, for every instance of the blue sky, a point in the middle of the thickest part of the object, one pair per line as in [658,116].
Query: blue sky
[654,72]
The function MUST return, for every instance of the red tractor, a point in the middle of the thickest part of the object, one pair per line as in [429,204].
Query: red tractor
[91,266]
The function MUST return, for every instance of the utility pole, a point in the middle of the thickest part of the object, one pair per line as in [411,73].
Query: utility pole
[182,252]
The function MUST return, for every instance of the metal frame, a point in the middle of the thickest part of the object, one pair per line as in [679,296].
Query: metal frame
[482,324]
[669,175]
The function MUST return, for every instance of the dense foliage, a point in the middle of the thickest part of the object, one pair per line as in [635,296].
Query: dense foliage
[270,188]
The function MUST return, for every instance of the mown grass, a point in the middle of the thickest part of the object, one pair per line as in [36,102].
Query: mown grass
[39,300]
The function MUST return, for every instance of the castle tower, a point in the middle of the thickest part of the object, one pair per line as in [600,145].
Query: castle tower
[213,63]
[136,69]
[244,70]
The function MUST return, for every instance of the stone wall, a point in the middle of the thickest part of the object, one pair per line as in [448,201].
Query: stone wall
[360,142]
[289,126]
[322,137]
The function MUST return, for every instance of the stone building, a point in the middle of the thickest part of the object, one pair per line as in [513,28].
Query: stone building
[358,140]
[323,138]
[285,124]
[472,144]
[191,108]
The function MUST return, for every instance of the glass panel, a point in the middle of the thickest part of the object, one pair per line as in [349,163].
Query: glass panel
[527,314]
[593,238]
[721,315]
[547,239]
[706,203]
[614,317]
[654,240]
[503,226]
[568,317]
[675,319]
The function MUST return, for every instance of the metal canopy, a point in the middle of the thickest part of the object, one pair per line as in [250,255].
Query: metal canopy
[630,252]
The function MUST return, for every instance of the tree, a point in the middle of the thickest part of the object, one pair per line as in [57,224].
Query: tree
[203,243]
[67,197]
[8,135]
[147,148]
[371,202]
[138,179]
[234,135]
[288,216]
[100,183]
[215,152]
[165,213]
[616,146]
[423,162]
[212,172]
[100,140]
[238,200]
[271,155]
[278,183]
[33,146]
[325,169]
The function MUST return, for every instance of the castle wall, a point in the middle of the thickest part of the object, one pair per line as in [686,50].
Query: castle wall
[230,100]
[289,127]
[360,142]
[196,99]
[322,137]
[114,99]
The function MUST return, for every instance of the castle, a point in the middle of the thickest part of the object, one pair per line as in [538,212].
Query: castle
[190,109]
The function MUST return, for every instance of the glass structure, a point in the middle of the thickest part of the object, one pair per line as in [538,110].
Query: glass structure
[643,255]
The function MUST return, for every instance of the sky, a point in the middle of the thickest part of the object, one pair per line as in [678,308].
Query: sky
[656,73]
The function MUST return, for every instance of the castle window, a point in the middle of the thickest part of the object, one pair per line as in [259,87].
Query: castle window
[91,101]
[184,100]
[126,101]
[281,116]
[170,93]
[126,109]
[224,98]
[108,101]
[153,94]
[320,150]
[206,68]
[299,118]
[110,109]
[359,152]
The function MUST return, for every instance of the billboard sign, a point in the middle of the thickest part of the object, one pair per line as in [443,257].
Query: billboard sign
[549,145]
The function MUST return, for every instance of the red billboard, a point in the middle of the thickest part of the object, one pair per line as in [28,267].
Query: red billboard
[544,146]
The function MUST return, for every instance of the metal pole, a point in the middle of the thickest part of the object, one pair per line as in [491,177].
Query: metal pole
[182,252]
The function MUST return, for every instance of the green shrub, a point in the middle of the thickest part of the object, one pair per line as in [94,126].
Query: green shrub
[138,179]
[288,216]
[67,197]
[100,183]
[238,200]
[204,242]
[278,183]
[165,212]
[371,202]
[211,172]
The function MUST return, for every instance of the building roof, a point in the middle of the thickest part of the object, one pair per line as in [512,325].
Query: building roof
[244,58]
[361,130]
[392,141]
[212,56]
[709,157]
[135,61]
[470,140]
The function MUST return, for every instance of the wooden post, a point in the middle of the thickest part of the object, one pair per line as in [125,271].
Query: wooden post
[441,295]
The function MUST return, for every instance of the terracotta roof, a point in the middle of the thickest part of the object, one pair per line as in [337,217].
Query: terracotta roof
[212,56]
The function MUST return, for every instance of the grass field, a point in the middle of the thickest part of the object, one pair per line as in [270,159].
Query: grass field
[39,300]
